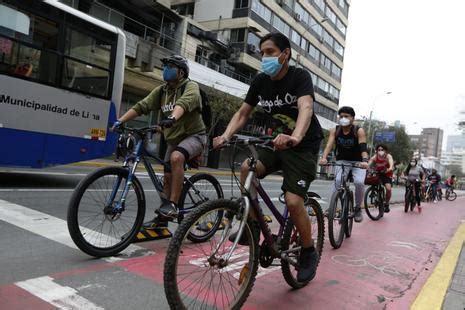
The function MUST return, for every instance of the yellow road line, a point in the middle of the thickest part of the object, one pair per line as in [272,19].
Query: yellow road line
[433,292]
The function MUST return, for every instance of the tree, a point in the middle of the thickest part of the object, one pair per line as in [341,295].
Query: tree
[456,169]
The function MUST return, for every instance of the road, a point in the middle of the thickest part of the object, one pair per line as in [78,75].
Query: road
[383,265]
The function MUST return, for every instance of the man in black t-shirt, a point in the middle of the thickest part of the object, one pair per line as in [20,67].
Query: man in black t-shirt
[285,93]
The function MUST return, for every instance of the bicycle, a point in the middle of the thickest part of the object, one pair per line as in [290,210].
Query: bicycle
[222,272]
[410,199]
[107,208]
[341,210]
[375,196]
[450,194]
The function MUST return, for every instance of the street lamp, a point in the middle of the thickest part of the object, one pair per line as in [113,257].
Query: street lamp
[371,134]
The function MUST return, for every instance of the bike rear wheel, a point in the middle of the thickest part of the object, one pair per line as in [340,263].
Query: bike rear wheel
[93,223]
[195,277]
[451,195]
[374,204]
[336,220]
[200,188]
[291,239]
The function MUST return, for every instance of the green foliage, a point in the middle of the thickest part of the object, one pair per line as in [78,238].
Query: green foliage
[223,106]
[455,169]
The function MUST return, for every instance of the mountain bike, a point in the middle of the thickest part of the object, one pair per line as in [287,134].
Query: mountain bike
[220,273]
[375,197]
[410,200]
[107,208]
[341,209]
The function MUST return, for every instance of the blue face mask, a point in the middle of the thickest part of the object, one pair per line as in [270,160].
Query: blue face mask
[271,65]
[169,74]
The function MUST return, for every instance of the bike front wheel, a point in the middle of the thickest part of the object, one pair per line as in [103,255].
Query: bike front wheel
[336,220]
[351,213]
[198,189]
[95,224]
[374,204]
[199,275]
[291,239]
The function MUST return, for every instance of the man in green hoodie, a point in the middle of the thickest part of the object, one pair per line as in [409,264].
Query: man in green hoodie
[184,130]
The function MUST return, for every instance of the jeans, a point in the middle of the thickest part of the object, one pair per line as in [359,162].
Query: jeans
[359,179]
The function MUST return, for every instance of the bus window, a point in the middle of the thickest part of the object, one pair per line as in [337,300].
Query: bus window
[25,61]
[85,78]
[88,49]
[13,20]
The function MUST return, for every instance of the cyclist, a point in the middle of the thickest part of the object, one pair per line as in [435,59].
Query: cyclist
[450,182]
[179,101]
[383,162]
[286,95]
[435,180]
[415,175]
[351,147]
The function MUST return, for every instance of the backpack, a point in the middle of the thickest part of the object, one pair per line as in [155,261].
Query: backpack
[205,108]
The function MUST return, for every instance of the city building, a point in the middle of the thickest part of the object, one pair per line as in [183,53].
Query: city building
[429,142]
[455,143]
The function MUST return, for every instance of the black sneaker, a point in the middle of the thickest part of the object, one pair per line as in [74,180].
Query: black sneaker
[308,263]
[358,216]
[168,210]
[244,239]
[156,223]
[386,208]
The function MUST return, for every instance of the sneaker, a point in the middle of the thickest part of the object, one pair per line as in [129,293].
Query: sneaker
[308,263]
[419,209]
[243,241]
[156,223]
[386,208]
[358,216]
[168,210]
[435,201]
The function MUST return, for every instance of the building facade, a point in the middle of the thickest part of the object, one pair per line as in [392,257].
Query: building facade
[429,142]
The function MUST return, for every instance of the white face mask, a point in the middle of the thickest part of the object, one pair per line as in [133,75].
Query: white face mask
[381,153]
[344,121]
[413,163]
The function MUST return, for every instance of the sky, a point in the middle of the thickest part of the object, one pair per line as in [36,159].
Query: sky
[414,49]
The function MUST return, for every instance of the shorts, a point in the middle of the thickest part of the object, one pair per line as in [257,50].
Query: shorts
[385,179]
[299,168]
[190,147]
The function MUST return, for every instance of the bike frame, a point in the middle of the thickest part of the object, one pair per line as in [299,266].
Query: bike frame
[140,154]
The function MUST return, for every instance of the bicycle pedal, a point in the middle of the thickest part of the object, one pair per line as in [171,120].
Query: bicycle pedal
[152,234]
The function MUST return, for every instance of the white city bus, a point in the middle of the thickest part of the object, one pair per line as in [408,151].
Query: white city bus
[61,79]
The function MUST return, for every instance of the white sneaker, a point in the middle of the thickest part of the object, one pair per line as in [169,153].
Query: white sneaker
[435,201]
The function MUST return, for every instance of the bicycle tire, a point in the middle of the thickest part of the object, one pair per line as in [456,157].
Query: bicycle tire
[452,196]
[407,199]
[177,300]
[315,212]
[351,211]
[78,232]
[190,198]
[336,239]
[372,203]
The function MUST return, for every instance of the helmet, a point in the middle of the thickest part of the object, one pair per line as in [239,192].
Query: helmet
[179,62]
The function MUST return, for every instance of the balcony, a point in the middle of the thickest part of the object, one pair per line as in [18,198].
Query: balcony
[242,12]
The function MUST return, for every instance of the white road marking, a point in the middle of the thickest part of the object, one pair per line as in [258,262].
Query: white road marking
[51,227]
[62,297]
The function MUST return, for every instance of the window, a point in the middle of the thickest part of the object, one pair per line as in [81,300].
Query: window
[238,35]
[325,63]
[314,53]
[331,15]
[86,48]
[333,92]
[320,4]
[340,26]
[280,25]
[261,10]
[328,39]
[336,71]
[85,78]
[253,39]
[295,37]
[339,49]
[238,4]
[303,44]
[323,85]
